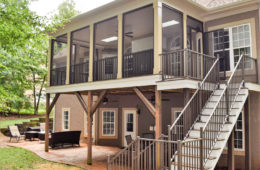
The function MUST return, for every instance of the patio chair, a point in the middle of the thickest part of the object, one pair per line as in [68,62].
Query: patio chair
[15,133]
[128,139]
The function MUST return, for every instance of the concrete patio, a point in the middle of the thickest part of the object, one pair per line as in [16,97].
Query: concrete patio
[71,155]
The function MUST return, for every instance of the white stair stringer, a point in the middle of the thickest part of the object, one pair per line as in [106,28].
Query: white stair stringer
[227,128]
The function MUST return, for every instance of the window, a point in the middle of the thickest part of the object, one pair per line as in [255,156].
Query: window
[130,122]
[108,123]
[239,134]
[179,125]
[65,119]
[231,43]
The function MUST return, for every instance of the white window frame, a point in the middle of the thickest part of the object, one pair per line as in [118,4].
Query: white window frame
[63,121]
[115,112]
[243,133]
[231,47]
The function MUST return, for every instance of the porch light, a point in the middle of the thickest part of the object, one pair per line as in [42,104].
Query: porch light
[110,39]
[169,23]
[105,100]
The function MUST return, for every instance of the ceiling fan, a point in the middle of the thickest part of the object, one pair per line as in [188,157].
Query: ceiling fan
[128,34]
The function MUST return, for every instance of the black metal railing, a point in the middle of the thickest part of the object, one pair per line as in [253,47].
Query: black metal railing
[79,72]
[58,76]
[185,63]
[185,120]
[105,69]
[138,64]
[223,108]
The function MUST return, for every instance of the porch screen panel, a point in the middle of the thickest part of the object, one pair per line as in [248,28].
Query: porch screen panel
[79,68]
[138,37]
[172,40]
[194,40]
[105,49]
[59,60]
[79,59]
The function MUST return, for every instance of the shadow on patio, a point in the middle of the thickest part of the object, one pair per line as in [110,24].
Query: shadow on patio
[72,155]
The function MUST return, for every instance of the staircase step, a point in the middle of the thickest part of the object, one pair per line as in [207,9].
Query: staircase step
[218,92]
[198,147]
[195,137]
[222,130]
[196,156]
[189,166]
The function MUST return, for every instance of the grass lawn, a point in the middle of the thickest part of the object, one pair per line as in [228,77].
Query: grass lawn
[12,158]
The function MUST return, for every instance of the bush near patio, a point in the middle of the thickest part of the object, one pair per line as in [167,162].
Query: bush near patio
[22,124]
[12,158]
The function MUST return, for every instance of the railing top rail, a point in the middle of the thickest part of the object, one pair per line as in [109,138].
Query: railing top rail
[193,96]
[186,49]
[158,140]
[233,72]
[228,82]
[86,62]
[126,148]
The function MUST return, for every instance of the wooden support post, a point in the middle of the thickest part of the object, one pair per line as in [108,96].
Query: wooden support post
[48,111]
[89,158]
[158,113]
[146,102]
[47,123]
[247,136]
[231,160]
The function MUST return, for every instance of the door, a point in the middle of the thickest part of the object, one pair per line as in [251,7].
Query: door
[129,124]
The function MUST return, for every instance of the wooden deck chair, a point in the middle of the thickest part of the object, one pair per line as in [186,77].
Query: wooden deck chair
[15,133]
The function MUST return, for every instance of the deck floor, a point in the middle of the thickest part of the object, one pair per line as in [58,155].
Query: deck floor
[71,155]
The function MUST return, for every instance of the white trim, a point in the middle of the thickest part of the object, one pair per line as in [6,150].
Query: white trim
[63,110]
[54,114]
[177,84]
[253,87]
[243,133]
[107,84]
[124,111]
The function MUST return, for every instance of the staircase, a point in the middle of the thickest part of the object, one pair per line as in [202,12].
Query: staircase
[198,136]
[214,122]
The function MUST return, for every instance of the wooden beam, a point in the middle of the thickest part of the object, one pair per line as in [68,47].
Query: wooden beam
[231,159]
[247,136]
[89,158]
[158,113]
[146,102]
[99,100]
[82,102]
[52,103]
[47,123]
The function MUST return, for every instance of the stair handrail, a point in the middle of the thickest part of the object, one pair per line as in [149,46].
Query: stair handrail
[227,84]
[218,110]
[193,96]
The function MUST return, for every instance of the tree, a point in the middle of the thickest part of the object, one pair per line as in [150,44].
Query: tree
[66,10]
[23,51]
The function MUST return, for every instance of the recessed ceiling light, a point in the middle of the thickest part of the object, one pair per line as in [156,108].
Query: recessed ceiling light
[114,38]
[169,23]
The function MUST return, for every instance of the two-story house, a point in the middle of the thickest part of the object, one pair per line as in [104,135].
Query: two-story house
[178,78]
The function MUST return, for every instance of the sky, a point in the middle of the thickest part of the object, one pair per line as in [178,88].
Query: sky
[45,7]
